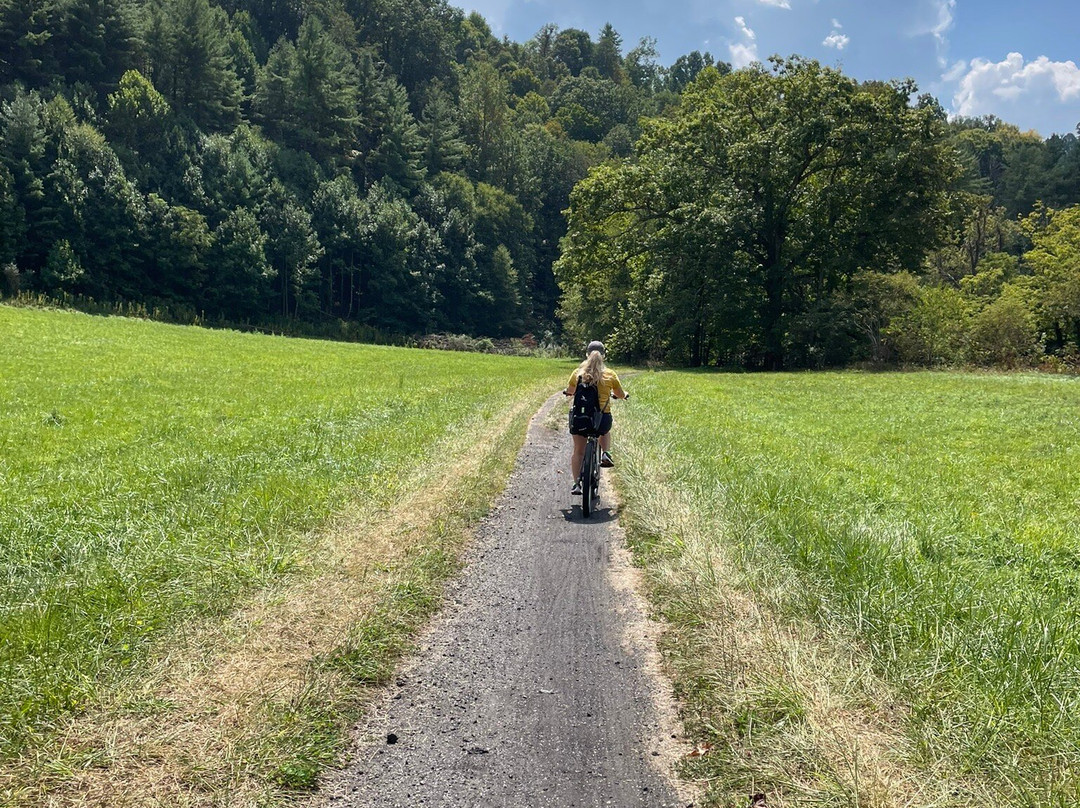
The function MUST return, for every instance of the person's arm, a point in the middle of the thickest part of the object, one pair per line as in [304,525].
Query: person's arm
[617,388]
[571,385]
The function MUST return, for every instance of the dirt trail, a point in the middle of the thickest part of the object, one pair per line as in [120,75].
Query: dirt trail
[537,686]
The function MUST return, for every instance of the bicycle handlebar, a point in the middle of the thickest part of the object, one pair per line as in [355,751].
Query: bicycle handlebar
[626,396]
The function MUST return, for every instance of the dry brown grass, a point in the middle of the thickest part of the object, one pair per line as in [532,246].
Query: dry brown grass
[788,711]
[195,728]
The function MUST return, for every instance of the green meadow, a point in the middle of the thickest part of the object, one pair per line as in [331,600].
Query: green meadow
[925,524]
[152,474]
[891,560]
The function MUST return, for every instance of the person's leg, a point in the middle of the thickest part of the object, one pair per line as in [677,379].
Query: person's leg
[578,455]
[605,431]
[605,441]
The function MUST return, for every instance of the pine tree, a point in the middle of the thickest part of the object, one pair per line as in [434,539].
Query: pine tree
[398,154]
[607,54]
[444,148]
[97,43]
[323,93]
[189,45]
[247,68]
[27,53]
[307,94]
[272,94]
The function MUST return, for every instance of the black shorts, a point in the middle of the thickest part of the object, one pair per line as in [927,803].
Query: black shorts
[605,426]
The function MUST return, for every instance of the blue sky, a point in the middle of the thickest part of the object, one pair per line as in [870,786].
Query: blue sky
[1017,60]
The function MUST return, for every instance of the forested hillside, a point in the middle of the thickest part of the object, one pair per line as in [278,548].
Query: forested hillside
[390,166]
[389,163]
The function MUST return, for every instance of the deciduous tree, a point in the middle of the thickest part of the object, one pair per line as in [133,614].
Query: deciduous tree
[767,189]
[1054,261]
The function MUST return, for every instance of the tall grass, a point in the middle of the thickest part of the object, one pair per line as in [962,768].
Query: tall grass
[152,473]
[931,518]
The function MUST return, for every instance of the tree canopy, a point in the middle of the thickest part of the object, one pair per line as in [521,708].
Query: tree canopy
[765,190]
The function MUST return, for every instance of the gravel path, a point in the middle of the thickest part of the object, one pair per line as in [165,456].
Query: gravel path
[536,687]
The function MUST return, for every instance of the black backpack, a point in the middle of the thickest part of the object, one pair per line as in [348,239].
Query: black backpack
[585,413]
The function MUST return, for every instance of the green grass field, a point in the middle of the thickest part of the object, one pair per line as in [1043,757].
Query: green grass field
[926,520]
[151,474]
[911,537]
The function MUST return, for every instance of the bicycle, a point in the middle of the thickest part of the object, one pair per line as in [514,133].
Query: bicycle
[590,470]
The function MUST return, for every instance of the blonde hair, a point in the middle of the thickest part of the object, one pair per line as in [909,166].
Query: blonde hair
[592,369]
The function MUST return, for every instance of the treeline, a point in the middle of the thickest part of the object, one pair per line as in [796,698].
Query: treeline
[389,167]
[786,215]
[388,163]
[1004,287]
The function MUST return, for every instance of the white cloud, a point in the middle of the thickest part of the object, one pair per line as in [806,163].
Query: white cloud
[745,52]
[935,18]
[1000,88]
[944,20]
[941,28]
[776,3]
[836,40]
[955,72]
[742,55]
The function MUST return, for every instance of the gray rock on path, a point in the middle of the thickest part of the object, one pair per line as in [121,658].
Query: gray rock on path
[535,687]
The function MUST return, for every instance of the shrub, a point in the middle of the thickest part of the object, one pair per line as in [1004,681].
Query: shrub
[1004,333]
[10,282]
[877,298]
[933,331]
[827,335]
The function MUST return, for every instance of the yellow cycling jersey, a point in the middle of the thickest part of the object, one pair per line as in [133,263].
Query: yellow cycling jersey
[609,383]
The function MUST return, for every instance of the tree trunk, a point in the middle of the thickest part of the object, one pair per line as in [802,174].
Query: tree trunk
[774,290]
[352,287]
[772,321]
[285,290]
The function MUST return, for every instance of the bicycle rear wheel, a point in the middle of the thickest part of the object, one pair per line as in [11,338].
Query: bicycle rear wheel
[596,476]
[588,474]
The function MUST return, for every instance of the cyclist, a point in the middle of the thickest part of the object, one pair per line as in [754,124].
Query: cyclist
[593,371]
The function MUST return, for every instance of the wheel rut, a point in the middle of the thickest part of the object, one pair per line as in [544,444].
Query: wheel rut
[537,685]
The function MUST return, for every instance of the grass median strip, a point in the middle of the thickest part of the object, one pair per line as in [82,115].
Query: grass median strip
[865,579]
[244,682]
